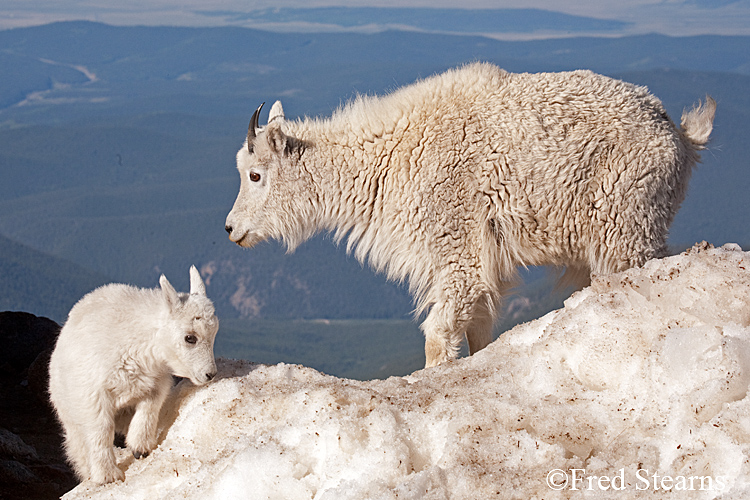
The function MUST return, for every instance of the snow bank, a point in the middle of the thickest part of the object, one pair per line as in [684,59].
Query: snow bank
[636,388]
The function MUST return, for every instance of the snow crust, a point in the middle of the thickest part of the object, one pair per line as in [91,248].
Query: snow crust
[637,388]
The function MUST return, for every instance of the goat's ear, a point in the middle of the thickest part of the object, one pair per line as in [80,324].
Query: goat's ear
[276,138]
[170,294]
[196,282]
[276,113]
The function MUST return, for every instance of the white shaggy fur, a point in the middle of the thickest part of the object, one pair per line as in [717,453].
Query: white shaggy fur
[454,181]
[112,367]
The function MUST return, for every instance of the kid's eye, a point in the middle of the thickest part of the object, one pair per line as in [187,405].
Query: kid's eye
[191,339]
[254,176]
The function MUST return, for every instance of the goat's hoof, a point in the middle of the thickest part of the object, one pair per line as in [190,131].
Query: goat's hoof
[138,455]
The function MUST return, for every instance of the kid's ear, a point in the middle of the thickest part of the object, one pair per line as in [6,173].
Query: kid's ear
[196,282]
[170,294]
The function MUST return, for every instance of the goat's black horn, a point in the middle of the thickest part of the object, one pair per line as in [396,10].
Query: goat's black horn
[252,128]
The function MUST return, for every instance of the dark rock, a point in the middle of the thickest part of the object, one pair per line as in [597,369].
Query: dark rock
[12,446]
[13,473]
[38,376]
[32,462]
[24,336]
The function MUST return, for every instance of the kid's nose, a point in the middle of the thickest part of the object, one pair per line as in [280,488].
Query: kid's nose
[210,376]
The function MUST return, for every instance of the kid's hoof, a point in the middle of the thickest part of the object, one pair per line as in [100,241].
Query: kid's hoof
[138,455]
[110,476]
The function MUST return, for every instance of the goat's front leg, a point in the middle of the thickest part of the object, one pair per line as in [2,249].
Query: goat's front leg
[100,433]
[464,308]
[144,426]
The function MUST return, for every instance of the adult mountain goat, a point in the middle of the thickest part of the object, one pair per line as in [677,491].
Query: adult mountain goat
[452,182]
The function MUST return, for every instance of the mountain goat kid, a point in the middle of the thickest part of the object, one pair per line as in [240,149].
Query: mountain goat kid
[454,181]
[112,367]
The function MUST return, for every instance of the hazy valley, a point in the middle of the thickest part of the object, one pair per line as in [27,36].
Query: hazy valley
[118,149]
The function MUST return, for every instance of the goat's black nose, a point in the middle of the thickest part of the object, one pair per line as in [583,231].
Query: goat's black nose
[210,376]
[228,229]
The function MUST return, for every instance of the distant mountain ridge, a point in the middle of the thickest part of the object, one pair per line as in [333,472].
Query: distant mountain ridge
[132,63]
[30,279]
[429,19]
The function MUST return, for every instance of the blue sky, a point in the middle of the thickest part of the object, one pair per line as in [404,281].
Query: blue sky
[671,17]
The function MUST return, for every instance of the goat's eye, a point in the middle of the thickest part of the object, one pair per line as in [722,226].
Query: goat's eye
[191,339]
[254,176]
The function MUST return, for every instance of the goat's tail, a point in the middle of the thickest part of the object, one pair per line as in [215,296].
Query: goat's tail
[697,123]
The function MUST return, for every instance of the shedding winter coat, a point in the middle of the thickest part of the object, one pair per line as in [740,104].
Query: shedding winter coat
[454,181]
[112,367]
